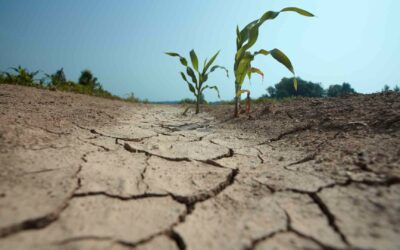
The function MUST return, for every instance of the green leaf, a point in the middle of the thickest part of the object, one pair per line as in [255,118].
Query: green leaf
[249,75]
[238,38]
[190,72]
[243,67]
[262,52]
[282,58]
[183,61]
[257,71]
[298,10]
[269,15]
[211,87]
[172,54]
[250,32]
[181,58]
[205,77]
[191,88]
[184,77]
[295,83]
[253,36]
[195,60]
[240,92]
[208,65]
[220,67]
[244,33]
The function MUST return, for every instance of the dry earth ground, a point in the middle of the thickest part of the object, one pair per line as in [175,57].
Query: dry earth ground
[79,172]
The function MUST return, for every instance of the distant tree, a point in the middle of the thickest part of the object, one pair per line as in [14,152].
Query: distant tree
[271,91]
[347,89]
[334,90]
[340,90]
[396,89]
[386,88]
[61,75]
[57,78]
[285,88]
[87,79]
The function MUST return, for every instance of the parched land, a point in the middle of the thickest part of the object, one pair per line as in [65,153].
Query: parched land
[79,172]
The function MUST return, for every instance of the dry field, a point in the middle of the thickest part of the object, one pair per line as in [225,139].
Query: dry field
[79,172]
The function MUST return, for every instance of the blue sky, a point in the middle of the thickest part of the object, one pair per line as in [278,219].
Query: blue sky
[123,41]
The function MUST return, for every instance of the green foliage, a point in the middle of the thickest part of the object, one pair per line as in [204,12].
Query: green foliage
[132,98]
[193,101]
[56,81]
[340,90]
[187,101]
[87,79]
[285,89]
[197,76]
[88,84]
[2,77]
[386,88]
[71,86]
[21,76]
[245,39]
[57,78]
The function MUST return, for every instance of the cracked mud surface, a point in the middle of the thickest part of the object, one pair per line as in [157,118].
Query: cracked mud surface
[80,172]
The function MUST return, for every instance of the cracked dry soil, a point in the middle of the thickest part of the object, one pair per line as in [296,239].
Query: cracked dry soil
[81,172]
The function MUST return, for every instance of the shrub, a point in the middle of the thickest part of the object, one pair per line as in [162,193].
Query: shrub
[21,76]
[285,89]
[340,90]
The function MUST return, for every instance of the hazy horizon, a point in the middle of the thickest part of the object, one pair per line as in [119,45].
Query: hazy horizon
[123,42]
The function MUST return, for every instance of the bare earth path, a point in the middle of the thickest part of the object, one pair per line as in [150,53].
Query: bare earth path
[79,172]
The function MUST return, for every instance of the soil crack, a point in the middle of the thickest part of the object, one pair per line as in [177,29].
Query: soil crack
[331,218]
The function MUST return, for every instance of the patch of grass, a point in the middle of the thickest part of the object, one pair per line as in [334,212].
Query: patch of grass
[88,83]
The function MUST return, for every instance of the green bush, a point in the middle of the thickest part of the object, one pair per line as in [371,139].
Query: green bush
[187,101]
[340,90]
[21,76]
[285,88]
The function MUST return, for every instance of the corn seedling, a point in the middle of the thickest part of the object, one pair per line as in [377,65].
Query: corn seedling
[198,80]
[245,39]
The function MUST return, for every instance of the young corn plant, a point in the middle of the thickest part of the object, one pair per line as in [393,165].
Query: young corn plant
[245,39]
[198,76]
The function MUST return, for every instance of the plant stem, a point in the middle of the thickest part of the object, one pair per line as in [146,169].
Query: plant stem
[198,104]
[237,99]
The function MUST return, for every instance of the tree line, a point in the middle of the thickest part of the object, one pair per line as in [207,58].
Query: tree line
[285,89]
